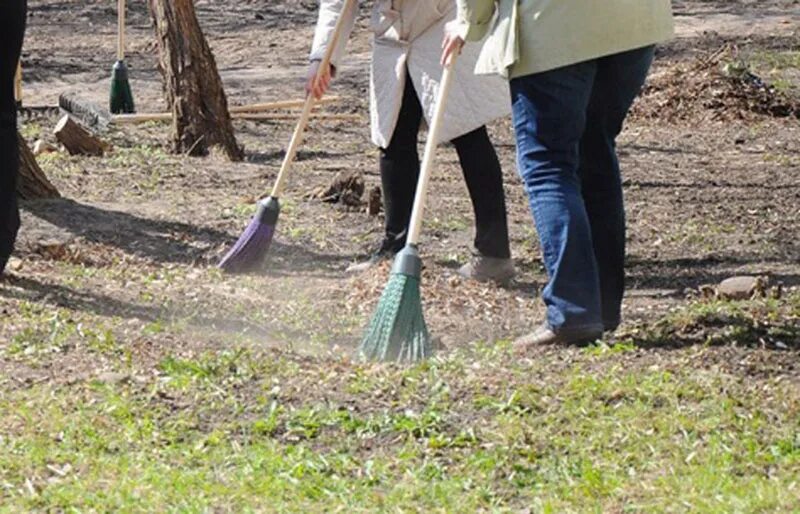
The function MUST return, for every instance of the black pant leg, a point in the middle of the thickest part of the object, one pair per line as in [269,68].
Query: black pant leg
[484,179]
[12,29]
[399,164]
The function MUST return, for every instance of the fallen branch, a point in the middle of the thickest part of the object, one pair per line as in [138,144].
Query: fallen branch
[130,119]
[97,117]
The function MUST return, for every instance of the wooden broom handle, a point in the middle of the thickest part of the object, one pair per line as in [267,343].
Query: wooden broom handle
[297,136]
[120,30]
[415,227]
[18,83]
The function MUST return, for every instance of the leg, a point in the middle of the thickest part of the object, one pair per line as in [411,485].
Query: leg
[399,163]
[484,179]
[549,118]
[12,28]
[619,79]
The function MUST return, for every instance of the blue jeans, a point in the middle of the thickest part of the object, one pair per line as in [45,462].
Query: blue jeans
[566,122]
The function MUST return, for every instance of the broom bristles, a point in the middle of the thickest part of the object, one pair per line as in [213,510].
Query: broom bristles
[397,331]
[250,249]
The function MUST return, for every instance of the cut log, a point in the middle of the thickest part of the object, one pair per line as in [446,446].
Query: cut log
[76,139]
[32,183]
[192,85]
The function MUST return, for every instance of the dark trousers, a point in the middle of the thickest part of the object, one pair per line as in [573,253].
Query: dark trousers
[12,29]
[567,121]
[400,167]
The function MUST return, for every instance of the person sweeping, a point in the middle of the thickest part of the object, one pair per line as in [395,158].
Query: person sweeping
[405,75]
[12,29]
[574,70]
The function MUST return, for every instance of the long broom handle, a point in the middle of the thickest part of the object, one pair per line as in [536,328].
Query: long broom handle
[120,30]
[297,137]
[415,227]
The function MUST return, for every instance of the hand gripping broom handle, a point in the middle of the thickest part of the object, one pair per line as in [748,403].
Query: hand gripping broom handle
[415,226]
[120,30]
[297,137]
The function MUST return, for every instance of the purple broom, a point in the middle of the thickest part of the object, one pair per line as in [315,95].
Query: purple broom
[250,250]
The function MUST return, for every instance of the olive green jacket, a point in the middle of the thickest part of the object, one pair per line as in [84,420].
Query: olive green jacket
[532,36]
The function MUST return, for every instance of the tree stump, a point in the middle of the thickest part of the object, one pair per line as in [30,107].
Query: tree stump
[32,183]
[76,139]
[192,85]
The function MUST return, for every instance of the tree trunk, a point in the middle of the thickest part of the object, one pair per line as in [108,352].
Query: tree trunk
[192,85]
[32,183]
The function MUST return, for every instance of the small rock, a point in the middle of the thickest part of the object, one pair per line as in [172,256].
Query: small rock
[780,345]
[14,264]
[52,249]
[707,291]
[443,344]
[40,147]
[741,288]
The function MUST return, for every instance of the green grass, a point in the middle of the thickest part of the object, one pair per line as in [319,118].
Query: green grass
[643,424]
[779,68]
[718,322]
[30,131]
[237,431]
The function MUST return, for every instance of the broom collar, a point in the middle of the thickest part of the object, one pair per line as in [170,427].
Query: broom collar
[268,210]
[408,262]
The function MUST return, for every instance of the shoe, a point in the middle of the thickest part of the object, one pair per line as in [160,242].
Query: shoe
[488,269]
[544,335]
[387,250]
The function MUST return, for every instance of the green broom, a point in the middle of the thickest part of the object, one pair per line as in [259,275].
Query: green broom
[397,331]
[121,98]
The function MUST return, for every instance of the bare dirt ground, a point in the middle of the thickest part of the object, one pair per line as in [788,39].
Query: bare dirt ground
[712,180]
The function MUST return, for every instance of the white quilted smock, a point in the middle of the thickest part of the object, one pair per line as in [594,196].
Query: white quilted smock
[408,35]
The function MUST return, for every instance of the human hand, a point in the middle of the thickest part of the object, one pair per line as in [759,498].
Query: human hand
[453,41]
[317,80]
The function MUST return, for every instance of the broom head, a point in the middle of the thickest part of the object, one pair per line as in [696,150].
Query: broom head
[250,250]
[121,101]
[397,331]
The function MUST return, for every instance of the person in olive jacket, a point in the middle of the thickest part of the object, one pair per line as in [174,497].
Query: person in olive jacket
[12,28]
[574,70]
